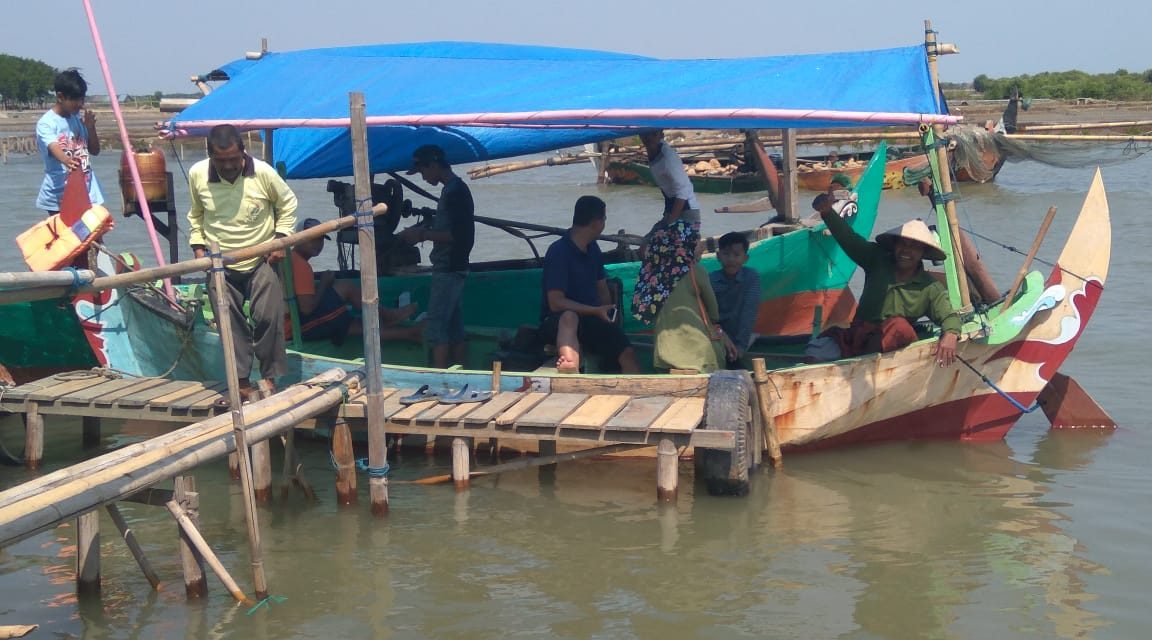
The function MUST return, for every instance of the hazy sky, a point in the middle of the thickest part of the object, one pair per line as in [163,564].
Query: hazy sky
[156,45]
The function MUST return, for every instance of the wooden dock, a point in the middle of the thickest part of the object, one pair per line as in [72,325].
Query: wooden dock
[562,417]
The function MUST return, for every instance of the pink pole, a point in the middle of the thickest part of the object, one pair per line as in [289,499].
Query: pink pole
[141,199]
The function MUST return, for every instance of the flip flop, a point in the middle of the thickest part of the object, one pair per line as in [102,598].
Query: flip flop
[423,394]
[465,395]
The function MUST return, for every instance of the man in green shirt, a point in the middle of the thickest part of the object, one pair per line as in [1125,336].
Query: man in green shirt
[239,202]
[897,289]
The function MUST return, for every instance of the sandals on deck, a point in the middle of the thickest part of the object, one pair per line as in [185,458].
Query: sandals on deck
[423,394]
[465,395]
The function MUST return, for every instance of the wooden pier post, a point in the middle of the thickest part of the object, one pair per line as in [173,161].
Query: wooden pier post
[461,452]
[33,436]
[497,371]
[133,545]
[667,471]
[261,471]
[226,338]
[185,495]
[345,464]
[88,553]
[765,402]
[91,432]
[370,302]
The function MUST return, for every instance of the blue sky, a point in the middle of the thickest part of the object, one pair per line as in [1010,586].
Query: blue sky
[156,45]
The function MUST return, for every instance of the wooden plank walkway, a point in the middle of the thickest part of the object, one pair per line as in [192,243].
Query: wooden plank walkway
[561,416]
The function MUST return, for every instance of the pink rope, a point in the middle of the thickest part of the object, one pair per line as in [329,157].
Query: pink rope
[536,119]
[141,199]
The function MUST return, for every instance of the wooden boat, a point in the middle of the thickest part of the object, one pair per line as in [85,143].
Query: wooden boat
[1010,351]
[727,178]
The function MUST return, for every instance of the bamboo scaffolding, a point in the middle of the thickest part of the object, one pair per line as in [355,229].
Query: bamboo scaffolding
[42,503]
[186,436]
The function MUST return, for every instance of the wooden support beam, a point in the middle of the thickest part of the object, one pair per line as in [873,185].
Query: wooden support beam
[133,545]
[667,471]
[201,545]
[192,563]
[91,432]
[33,436]
[461,453]
[764,400]
[88,554]
[261,471]
[345,464]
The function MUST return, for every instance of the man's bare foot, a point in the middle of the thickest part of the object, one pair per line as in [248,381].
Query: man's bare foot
[565,364]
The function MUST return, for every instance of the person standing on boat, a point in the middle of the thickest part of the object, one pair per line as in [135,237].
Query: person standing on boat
[66,141]
[240,202]
[578,311]
[897,290]
[669,175]
[452,232]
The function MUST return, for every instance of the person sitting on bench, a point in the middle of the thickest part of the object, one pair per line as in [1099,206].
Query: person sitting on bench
[577,309]
[323,305]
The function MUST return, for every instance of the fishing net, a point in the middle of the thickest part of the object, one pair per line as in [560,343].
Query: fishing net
[1072,153]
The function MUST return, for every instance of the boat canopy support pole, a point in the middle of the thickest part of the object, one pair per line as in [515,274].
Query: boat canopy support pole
[789,190]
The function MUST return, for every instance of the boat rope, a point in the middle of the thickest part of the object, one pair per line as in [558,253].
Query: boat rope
[1037,259]
[1003,394]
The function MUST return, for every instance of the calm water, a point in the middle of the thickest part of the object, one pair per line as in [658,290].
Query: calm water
[1043,535]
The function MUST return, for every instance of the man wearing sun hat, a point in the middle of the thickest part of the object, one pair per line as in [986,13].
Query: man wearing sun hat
[897,289]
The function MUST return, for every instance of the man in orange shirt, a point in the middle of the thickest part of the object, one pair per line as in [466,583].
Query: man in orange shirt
[323,304]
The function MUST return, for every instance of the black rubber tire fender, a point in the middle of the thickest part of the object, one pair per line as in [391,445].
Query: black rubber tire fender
[728,407]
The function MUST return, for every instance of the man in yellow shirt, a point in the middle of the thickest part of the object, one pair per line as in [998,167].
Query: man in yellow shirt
[240,201]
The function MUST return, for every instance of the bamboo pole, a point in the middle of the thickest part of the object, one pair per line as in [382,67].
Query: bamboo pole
[490,170]
[531,226]
[206,552]
[133,544]
[1031,255]
[538,461]
[946,179]
[772,438]
[1081,125]
[223,314]
[192,565]
[188,266]
[90,473]
[1077,138]
[370,301]
[21,279]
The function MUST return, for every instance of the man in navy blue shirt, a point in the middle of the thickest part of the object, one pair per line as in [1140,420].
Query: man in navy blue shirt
[578,309]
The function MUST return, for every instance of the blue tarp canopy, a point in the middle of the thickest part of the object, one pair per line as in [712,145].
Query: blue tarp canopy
[487,101]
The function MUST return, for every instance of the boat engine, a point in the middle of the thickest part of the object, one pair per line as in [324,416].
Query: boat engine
[390,251]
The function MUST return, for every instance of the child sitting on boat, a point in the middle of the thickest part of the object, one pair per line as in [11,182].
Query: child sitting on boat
[737,290]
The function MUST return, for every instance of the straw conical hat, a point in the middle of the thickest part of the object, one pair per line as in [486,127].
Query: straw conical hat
[913,230]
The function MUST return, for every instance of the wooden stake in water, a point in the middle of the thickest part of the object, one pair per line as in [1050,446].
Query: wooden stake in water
[224,313]
[370,302]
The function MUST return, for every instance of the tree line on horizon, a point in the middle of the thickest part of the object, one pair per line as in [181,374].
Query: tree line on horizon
[1120,86]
